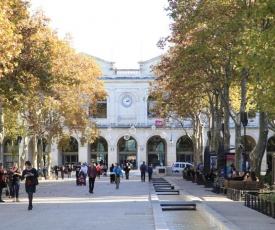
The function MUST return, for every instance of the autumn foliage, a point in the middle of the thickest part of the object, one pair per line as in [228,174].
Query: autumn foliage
[43,81]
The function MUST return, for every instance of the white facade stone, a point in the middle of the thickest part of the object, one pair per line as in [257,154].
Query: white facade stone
[135,83]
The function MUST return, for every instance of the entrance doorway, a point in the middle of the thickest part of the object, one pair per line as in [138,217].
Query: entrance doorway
[127,151]
[99,151]
[156,149]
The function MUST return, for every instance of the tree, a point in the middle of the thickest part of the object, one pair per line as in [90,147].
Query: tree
[212,42]
[52,87]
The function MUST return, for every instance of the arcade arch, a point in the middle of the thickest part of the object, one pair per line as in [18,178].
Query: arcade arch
[127,151]
[184,149]
[156,151]
[10,152]
[249,144]
[99,151]
[69,151]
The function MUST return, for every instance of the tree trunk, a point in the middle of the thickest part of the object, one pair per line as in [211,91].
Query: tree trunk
[23,155]
[34,159]
[49,156]
[258,152]
[238,149]
[197,139]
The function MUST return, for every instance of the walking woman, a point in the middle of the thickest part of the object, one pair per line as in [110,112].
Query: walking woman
[16,180]
[29,173]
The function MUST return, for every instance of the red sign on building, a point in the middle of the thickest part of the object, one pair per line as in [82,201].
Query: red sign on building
[159,123]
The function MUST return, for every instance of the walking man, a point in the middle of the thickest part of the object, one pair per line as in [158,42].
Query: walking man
[118,172]
[143,169]
[92,175]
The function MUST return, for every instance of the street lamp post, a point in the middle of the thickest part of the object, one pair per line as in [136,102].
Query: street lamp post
[244,121]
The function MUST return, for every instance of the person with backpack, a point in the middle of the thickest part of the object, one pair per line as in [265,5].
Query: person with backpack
[118,172]
[143,169]
[92,175]
[150,172]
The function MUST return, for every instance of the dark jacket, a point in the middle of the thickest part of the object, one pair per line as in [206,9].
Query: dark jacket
[92,172]
[150,170]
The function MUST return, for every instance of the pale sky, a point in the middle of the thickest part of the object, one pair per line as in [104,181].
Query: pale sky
[122,31]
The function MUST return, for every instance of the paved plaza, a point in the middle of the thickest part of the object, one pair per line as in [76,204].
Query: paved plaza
[60,204]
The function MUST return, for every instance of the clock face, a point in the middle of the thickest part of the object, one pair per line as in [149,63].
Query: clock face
[127,100]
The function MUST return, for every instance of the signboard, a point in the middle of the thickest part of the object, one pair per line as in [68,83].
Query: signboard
[230,159]
[159,123]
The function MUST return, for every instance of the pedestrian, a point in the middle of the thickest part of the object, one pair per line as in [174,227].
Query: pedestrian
[70,169]
[105,168]
[9,179]
[126,169]
[3,183]
[98,169]
[45,172]
[118,172]
[56,168]
[143,169]
[16,181]
[92,175]
[84,169]
[112,174]
[30,174]
[77,169]
[62,170]
[150,172]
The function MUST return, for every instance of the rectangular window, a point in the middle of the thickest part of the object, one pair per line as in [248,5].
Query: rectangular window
[150,109]
[101,110]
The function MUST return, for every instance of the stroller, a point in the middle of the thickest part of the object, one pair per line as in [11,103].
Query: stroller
[81,179]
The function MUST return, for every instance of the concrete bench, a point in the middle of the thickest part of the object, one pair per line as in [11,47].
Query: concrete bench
[160,184]
[235,190]
[167,191]
[164,187]
[178,205]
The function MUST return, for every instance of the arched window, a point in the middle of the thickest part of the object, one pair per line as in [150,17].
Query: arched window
[184,144]
[250,143]
[100,145]
[127,145]
[184,149]
[156,149]
[127,150]
[68,144]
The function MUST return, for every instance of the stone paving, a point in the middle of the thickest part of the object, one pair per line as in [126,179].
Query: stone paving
[60,204]
[223,212]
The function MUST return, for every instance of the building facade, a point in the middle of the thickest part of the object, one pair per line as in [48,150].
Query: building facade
[129,129]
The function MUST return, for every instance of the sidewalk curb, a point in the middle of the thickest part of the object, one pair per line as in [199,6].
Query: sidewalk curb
[215,218]
[160,222]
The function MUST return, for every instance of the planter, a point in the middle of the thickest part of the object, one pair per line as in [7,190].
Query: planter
[263,206]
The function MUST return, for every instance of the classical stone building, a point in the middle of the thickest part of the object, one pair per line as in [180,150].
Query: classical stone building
[130,131]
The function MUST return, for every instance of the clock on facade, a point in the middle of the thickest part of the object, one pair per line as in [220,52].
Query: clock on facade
[127,100]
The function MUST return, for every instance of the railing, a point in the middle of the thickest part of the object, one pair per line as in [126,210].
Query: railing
[259,204]
[127,72]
